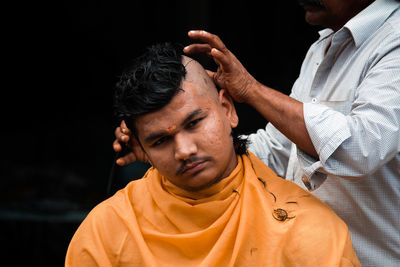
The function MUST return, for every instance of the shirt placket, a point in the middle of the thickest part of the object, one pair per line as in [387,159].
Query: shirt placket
[323,63]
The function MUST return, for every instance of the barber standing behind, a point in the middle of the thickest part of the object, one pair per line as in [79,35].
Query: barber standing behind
[338,133]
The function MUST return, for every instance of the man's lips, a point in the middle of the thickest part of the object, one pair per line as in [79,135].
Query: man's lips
[193,167]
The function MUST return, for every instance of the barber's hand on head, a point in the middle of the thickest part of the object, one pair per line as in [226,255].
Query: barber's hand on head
[231,74]
[123,137]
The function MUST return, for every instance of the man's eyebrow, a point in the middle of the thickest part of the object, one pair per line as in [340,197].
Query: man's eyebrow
[188,118]
[154,136]
[191,116]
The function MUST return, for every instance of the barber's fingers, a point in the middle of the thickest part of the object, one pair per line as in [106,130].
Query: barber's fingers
[126,159]
[222,59]
[125,128]
[198,49]
[117,146]
[135,153]
[121,136]
[125,131]
[122,133]
[214,77]
[212,39]
[211,74]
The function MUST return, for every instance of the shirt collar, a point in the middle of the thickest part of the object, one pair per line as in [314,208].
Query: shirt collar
[370,19]
[324,33]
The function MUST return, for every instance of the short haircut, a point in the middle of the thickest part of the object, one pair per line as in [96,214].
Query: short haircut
[150,84]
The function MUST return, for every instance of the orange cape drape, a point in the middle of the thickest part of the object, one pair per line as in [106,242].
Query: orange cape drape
[251,218]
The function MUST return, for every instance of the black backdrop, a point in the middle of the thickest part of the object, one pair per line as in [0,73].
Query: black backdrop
[62,59]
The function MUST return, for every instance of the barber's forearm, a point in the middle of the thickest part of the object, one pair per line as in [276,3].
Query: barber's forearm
[284,112]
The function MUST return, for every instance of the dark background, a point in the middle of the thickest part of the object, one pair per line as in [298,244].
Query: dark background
[61,60]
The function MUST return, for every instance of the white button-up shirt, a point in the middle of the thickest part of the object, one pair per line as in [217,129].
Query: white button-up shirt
[350,86]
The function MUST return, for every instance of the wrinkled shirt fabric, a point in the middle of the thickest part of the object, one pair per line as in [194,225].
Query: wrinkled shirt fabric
[350,86]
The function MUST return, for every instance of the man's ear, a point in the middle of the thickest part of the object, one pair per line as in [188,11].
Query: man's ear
[227,103]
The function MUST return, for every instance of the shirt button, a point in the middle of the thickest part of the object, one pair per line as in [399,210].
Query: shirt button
[314,100]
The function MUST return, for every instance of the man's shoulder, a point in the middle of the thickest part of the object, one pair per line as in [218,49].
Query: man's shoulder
[309,224]
[107,228]
[307,208]
[121,203]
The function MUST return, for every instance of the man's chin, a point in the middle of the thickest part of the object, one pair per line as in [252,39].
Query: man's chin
[200,182]
[196,187]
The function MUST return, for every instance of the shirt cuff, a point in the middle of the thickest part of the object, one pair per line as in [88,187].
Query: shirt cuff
[327,129]
[312,178]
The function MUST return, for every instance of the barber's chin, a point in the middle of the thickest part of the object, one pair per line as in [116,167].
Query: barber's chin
[315,16]
[311,8]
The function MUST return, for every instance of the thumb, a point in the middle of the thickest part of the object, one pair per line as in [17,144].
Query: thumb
[212,75]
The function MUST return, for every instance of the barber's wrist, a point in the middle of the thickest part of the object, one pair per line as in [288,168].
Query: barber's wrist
[254,90]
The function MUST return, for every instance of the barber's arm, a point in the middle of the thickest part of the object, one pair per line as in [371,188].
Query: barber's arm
[284,112]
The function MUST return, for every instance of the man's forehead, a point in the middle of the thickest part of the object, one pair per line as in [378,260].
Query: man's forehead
[197,89]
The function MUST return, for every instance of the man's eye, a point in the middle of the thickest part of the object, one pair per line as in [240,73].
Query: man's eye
[193,123]
[160,141]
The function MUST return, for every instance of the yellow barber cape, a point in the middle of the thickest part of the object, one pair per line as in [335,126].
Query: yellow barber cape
[251,218]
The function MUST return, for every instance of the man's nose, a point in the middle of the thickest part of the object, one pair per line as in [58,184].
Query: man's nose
[184,147]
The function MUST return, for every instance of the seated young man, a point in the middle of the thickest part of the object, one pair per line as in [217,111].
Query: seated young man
[206,200]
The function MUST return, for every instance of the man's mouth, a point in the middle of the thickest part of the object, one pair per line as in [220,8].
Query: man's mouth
[192,165]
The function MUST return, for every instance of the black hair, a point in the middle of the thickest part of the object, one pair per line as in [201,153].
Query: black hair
[150,84]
